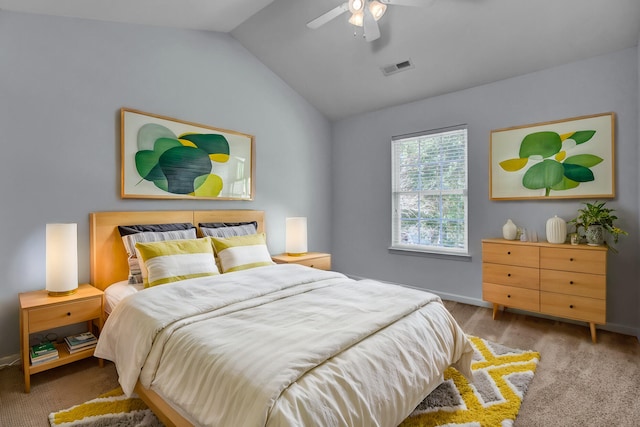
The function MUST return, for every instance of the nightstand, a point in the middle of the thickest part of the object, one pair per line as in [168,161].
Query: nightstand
[317,260]
[41,312]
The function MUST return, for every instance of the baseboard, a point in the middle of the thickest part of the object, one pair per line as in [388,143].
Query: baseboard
[611,327]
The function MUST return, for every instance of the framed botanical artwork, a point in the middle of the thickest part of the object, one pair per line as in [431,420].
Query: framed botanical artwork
[571,158]
[166,158]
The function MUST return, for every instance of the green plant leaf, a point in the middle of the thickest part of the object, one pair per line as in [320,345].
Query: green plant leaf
[582,136]
[163,144]
[544,144]
[586,160]
[146,161]
[181,166]
[149,133]
[565,184]
[212,143]
[545,174]
[578,173]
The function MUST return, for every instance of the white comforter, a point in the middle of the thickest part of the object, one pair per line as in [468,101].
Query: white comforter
[284,345]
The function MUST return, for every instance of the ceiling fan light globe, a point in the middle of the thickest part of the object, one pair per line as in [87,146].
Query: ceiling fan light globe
[356,6]
[357,19]
[377,9]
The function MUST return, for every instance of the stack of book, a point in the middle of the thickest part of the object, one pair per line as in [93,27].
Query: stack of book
[80,342]
[41,353]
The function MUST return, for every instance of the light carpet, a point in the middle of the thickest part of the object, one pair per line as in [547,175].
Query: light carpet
[501,376]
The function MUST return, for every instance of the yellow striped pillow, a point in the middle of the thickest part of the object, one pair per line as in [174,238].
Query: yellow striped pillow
[174,260]
[242,252]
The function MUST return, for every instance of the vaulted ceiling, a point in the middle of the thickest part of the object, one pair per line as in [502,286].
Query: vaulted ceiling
[451,44]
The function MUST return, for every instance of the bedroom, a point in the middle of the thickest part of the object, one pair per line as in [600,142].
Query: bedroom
[64,81]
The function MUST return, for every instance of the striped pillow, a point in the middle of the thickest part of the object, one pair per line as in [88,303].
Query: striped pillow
[175,260]
[130,237]
[237,230]
[242,252]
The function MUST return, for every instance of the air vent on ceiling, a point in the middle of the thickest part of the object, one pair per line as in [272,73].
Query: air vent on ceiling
[387,70]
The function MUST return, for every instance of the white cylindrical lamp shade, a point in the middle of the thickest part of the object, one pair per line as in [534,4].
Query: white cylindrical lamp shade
[296,236]
[62,259]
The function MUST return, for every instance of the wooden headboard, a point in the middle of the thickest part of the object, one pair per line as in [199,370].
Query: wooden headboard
[108,257]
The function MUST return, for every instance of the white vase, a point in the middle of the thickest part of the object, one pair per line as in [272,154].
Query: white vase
[556,230]
[509,230]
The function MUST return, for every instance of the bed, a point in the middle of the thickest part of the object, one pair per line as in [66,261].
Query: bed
[274,345]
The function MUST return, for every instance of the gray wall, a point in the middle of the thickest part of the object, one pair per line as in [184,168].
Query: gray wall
[62,84]
[361,230]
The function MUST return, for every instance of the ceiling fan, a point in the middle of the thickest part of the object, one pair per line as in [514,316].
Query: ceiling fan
[365,13]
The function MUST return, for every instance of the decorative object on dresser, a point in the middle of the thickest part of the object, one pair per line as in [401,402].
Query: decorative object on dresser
[296,236]
[61,259]
[509,230]
[40,312]
[560,280]
[319,260]
[594,218]
[556,230]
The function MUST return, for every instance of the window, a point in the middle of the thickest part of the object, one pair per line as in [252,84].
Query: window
[429,191]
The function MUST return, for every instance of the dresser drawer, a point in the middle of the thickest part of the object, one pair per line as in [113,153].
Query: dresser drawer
[509,296]
[580,260]
[502,274]
[56,315]
[571,283]
[511,254]
[573,307]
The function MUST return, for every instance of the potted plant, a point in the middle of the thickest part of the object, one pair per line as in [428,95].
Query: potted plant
[595,218]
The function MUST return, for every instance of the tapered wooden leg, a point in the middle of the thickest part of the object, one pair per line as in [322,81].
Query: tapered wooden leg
[592,326]
[495,311]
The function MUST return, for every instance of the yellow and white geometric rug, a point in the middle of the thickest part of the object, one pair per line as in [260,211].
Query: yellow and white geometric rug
[501,376]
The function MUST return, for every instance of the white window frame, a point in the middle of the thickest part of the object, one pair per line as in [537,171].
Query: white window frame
[462,249]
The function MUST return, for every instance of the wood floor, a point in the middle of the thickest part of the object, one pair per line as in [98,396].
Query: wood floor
[577,383]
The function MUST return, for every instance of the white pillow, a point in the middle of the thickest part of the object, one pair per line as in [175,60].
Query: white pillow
[242,252]
[175,260]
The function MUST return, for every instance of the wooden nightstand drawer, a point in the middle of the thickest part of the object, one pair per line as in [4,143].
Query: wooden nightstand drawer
[580,260]
[508,296]
[501,274]
[571,283]
[511,254]
[64,314]
[573,307]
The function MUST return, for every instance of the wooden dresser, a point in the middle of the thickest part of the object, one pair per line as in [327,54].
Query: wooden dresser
[562,280]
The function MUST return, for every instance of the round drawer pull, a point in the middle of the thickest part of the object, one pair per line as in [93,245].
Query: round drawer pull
[508,274]
[570,259]
[69,313]
[571,306]
[509,253]
[508,296]
[571,282]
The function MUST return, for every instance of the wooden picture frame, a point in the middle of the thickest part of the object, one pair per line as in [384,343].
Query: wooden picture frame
[562,159]
[167,158]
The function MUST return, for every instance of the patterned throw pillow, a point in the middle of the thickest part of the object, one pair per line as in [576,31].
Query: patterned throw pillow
[237,230]
[132,234]
[174,260]
[242,252]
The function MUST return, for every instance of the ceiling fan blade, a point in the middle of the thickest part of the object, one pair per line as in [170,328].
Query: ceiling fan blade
[371,28]
[414,3]
[333,13]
